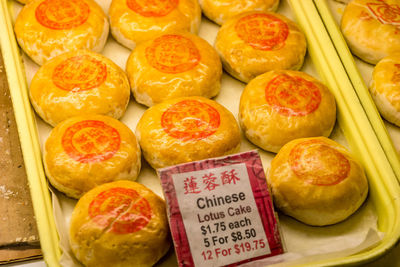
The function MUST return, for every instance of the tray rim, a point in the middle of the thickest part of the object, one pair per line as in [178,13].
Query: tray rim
[358,83]
[28,135]
[386,176]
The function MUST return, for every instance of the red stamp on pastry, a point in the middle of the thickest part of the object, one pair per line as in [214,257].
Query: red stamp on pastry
[292,95]
[152,8]
[173,54]
[62,15]
[384,12]
[317,163]
[396,74]
[364,15]
[121,210]
[79,73]
[190,120]
[91,141]
[262,31]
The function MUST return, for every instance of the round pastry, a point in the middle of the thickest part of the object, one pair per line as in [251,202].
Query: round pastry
[122,224]
[371,28]
[316,181]
[173,65]
[221,10]
[47,28]
[79,82]
[253,43]
[385,88]
[85,151]
[187,129]
[135,21]
[279,106]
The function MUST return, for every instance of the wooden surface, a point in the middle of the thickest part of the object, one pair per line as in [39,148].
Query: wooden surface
[19,239]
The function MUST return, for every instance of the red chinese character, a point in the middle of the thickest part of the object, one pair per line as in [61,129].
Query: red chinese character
[190,186]
[209,181]
[229,177]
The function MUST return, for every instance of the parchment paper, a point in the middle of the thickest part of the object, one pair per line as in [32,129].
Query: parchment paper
[303,243]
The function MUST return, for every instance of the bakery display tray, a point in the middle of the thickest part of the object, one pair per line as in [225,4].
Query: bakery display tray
[355,128]
[360,74]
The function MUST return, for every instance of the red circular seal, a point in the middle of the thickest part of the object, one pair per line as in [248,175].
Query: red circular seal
[91,141]
[385,13]
[262,31]
[120,210]
[190,120]
[173,54]
[317,163]
[79,73]
[152,8]
[396,74]
[61,14]
[292,95]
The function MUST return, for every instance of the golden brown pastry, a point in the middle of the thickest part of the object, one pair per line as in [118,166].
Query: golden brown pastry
[121,224]
[221,10]
[79,82]
[48,28]
[253,43]
[135,21]
[173,65]
[85,151]
[317,181]
[385,88]
[279,106]
[187,129]
[371,28]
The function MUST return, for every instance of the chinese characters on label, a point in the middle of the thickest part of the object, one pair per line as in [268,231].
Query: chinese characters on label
[209,181]
[220,213]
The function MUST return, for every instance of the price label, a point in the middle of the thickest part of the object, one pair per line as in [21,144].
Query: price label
[219,214]
[222,213]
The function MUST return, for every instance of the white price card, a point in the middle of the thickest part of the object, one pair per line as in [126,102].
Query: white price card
[220,211]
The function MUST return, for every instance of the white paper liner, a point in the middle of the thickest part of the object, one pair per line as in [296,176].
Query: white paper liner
[303,243]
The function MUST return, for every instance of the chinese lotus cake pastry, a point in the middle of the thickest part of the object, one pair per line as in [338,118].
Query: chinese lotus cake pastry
[316,181]
[122,223]
[173,65]
[385,88]
[187,129]
[47,28]
[279,106]
[221,10]
[371,28]
[85,151]
[79,82]
[135,21]
[253,43]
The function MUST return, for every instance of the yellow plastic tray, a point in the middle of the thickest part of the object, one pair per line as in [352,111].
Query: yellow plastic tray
[358,83]
[363,135]
[28,135]
[359,120]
